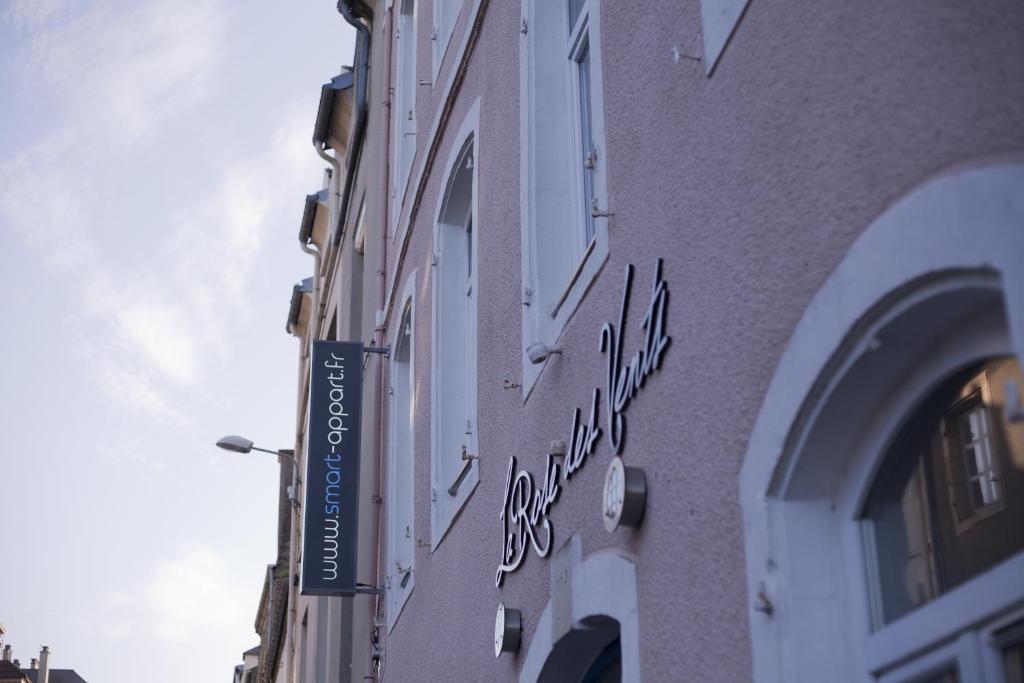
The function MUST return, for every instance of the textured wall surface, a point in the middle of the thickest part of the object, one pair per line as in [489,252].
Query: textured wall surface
[751,185]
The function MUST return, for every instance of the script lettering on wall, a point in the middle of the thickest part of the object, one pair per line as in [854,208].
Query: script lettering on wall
[525,507]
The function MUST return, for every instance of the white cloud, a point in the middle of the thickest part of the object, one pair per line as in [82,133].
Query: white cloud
[164,290]
[162,328]
[119,70]
[32,13]
[161,331]
[194,592]
[188,597]
[134,389]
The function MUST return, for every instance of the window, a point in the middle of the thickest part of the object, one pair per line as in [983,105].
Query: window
[891,402]
[446,13]
[401,557]
[563,165]
[352,281]
[454,424]
[940,475]
[404,110]
[972,455]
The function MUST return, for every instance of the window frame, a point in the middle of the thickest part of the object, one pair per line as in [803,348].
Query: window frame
[551,298]
[397,597]
[971,225]
[441,32]
[445,506]
[406,46]
[976,395]
[918,637]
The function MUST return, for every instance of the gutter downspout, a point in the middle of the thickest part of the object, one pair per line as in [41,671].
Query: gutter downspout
[355,151]
[382,389]
[293,542]
[347,10]
[333,201]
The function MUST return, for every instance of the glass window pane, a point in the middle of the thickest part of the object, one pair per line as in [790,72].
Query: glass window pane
[575,7]
[950,676]
[1010,639]
[1013,663]
[587,142]
[947,502]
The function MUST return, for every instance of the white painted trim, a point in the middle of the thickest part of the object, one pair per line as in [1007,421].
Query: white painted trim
[537,324]
[967,220]
[991,646]
[935,663]
[422,158]
[408,296]
[718,19]
[977,600]
[439,527]
[440,45]
[603,584]
[397,188]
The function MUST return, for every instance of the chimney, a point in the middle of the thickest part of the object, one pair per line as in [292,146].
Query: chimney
[17,663]
[44,665]
[7,653]
[34,664]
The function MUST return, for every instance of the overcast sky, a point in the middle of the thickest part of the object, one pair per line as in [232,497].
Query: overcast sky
[154,157]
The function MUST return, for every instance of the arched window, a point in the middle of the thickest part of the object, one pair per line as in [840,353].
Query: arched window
[948,501]
[455,473]
[882,483]
[401,562]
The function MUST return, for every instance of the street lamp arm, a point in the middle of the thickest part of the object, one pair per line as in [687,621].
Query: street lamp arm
[267,450]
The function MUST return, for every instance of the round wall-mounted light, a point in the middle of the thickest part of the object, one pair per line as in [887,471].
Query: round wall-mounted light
[508,630]
[625,495]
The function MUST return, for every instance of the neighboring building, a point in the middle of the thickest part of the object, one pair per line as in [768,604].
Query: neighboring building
[247,671]
[39,670]
[264,663]
[704,322]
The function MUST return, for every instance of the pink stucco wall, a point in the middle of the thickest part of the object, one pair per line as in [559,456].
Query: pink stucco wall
[751,185]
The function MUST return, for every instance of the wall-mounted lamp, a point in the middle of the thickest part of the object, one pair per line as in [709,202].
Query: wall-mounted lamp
[508,629]
[625,496]
[538,352]
[239,444]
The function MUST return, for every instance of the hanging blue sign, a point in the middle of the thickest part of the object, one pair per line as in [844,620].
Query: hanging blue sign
[332,470]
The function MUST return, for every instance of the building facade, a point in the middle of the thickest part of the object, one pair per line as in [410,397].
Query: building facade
[703,323]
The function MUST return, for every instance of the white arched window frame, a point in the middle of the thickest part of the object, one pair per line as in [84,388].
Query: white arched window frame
[807,563]
[455,470]
[404,110]
[400,497]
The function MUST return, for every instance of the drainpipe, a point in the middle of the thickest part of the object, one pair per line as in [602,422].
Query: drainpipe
[333,202]
[385,161]
[352,16]
[304,244]
[293,543]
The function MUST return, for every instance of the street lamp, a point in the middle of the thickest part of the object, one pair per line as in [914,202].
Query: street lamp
[239,444]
